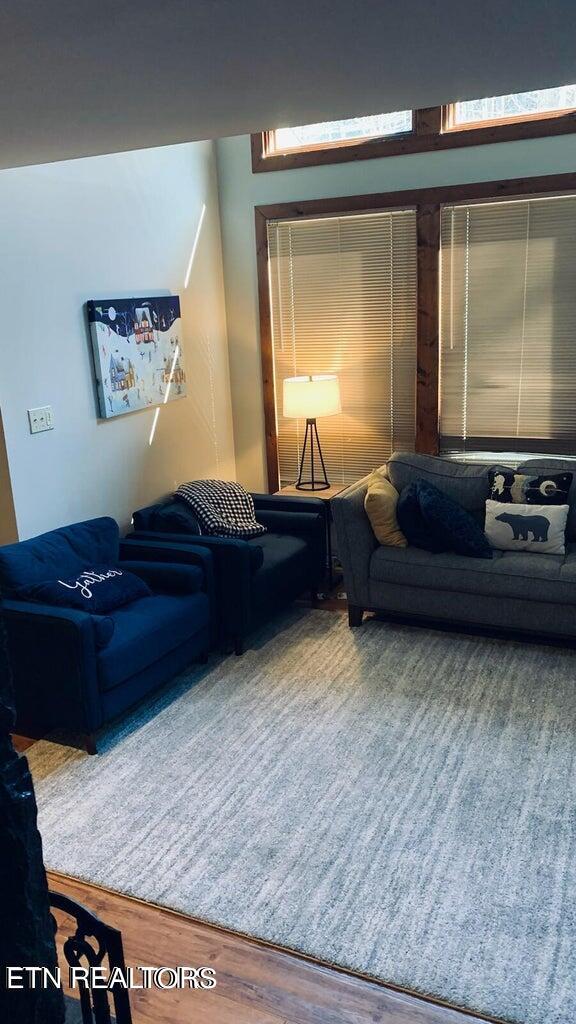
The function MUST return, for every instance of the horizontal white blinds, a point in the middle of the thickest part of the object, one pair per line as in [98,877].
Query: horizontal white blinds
[508,326]
[343,299]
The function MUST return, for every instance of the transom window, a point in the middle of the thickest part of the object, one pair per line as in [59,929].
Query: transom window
[518,105]
[326,133]
[534,114]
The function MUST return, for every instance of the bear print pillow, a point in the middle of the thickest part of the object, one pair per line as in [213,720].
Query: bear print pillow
[516,527]
[548,489]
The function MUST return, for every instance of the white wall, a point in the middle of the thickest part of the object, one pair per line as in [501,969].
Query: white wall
[240,191]
[106,227]
[8,532]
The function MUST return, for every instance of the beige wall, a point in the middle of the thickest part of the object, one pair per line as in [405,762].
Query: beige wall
[240,191]
[106,227]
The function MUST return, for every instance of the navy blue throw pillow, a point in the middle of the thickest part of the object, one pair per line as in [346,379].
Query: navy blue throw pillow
[175,517]
[452,526]
[97,591]
[412,522]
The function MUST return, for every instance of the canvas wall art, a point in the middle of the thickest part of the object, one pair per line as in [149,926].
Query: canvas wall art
[137,347]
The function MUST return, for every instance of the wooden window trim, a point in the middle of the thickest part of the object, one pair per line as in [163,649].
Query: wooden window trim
[432,130]
[428,202]
[550,116]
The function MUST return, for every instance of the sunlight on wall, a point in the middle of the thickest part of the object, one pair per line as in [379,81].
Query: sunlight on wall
[195,245]
[186,283]
[166,396]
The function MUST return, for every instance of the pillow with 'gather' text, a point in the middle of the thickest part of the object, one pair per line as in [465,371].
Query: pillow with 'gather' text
[516,527]
[380,504]
[96,591]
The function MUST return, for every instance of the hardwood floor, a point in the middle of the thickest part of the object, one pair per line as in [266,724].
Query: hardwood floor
[255,983]
[21,743]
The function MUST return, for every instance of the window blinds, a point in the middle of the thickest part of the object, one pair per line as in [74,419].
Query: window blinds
[343,300]
[508,326]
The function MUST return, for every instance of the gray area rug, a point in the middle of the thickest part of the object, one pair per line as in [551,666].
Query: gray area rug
[391,799]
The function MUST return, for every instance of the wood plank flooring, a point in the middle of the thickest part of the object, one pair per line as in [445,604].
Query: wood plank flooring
[256,984]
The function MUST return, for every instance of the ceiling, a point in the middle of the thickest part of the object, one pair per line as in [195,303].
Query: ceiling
[80,77]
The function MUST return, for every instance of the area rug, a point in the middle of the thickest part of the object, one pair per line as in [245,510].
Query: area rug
[390,799]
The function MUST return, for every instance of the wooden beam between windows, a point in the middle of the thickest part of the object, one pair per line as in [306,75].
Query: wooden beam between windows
[427,345]
[428,121]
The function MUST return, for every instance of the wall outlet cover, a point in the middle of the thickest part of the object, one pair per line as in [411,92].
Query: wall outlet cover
[40,419]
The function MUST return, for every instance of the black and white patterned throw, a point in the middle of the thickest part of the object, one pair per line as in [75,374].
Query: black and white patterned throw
[223,508]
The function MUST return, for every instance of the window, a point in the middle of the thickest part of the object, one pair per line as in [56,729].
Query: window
[343,300]
[508,326]
[451,321]
[328,133]
[517,106]
[538,113]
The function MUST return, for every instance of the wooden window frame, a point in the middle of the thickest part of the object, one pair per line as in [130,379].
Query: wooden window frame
[427,203]
[433,129]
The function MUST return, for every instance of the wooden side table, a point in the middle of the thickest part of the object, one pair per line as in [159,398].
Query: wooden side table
[325,496]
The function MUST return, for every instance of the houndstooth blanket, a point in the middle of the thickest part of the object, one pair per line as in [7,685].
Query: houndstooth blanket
[222,507]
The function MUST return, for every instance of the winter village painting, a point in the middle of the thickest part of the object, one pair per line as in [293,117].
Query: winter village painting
[137,352]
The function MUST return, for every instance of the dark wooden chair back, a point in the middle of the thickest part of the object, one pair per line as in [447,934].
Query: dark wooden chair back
[92,943]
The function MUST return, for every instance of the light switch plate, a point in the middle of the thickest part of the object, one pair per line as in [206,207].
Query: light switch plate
[40,419]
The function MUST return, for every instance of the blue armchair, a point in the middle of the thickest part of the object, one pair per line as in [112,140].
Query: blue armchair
[62,679]
[257,577]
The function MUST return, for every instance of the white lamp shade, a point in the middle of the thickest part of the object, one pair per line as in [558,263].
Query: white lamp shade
[310,397]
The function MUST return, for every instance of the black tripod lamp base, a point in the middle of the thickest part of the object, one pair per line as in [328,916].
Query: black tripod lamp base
[309,485]
[312,442]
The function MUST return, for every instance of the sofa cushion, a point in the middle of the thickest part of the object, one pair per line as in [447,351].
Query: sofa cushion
[380,503]
[146,630]
[59,553]
[174,517]
[546,464]
[452,525]
[512,574]
[509,486]
[285,570]
[537,528]
[98,590]
[412,522]
[464,482]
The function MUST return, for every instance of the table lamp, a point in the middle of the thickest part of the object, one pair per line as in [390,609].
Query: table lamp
[307,398]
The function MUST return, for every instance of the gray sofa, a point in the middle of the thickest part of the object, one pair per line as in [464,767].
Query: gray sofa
[515,590]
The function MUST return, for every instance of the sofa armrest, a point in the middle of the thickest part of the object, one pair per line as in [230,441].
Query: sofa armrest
[147,546]
[175,549]
[54,666]
[168,577]
[302,524]
[288,503]
[232,565]
[356,541]
[302,517]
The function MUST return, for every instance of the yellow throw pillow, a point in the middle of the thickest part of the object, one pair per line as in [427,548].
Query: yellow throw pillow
[380,504]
